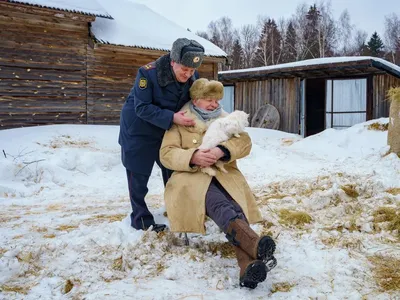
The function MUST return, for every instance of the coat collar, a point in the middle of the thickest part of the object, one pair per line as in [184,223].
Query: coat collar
[200,126]
[164,72]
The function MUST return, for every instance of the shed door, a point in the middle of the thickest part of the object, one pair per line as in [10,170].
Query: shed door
[349,105]
[227,102]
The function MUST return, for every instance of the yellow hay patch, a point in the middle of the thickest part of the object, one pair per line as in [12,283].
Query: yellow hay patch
[66,227]
[9,218]
[49,236]
[2,251]
[225,249]
[117,264]
[350,190]
[390,215]
[287,142]
[105,218]
[378,126]
[39,229]
[14,289]
[393,191]
[386,272]
[55,207]
[296,218]
[282,287]
[68,286]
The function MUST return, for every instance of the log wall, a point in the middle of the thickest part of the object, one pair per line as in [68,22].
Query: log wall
[42,66]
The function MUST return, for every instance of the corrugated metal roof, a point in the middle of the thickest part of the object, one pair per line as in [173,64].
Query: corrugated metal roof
[85,7]
[311,65]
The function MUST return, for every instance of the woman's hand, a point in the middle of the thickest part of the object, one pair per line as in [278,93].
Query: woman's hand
[217,152]
[204,158]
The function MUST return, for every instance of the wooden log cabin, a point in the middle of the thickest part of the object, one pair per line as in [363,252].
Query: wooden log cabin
[316,94]
[57,64]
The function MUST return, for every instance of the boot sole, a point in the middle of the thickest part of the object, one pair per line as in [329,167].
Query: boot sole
[255,273]
[266,248]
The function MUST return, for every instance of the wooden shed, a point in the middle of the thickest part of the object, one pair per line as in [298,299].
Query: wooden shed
[316,94]
[57,64]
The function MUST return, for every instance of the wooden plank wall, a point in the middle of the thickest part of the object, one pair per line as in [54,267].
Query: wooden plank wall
[42,67]
[284,94]
[381,85]
[111,74]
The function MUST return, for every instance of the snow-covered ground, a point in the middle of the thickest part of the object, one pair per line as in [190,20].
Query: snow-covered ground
[65,230]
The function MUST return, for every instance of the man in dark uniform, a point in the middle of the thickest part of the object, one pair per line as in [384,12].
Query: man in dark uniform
[161,89]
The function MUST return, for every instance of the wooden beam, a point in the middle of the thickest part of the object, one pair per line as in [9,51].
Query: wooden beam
[144,51]
[33,10]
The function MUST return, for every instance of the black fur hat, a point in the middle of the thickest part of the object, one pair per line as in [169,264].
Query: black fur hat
[187,52]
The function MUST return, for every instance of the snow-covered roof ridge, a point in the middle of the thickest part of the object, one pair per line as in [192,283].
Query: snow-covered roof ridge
[86,7]
[136,25]
[378,62]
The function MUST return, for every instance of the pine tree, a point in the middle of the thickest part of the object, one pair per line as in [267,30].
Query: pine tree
[237,55]
[375,45]
[289,52]
[311,33]
[269,50]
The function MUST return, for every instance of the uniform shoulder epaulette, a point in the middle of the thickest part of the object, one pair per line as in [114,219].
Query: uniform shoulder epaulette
[150,66]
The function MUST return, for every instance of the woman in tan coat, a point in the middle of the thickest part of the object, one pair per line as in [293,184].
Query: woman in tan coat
[190,194]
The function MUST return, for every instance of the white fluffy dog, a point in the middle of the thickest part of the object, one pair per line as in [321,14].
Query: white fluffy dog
[221,130]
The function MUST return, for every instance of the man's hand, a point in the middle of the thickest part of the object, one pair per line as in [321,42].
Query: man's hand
[181,119]
[203,158]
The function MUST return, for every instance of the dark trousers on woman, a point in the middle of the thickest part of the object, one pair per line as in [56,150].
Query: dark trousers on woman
[221,207]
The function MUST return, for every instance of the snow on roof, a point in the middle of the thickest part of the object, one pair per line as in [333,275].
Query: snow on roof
[321,61]
[87,7]
[136,25]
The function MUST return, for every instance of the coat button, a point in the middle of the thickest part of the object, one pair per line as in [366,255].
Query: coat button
[194,141]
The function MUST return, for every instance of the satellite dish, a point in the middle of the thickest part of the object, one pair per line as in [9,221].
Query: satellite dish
[267,116]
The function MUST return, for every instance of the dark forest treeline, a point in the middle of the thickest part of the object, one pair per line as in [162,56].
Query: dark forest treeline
[311,32]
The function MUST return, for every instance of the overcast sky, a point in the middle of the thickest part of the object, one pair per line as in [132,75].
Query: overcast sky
[196,15]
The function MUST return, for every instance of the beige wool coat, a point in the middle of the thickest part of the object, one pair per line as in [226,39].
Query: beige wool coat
[186,190]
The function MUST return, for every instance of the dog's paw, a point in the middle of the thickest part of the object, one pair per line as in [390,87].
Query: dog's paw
[209,171]
[237,135]
[220,165]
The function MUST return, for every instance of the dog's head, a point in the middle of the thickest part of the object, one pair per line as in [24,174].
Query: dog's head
[241,117]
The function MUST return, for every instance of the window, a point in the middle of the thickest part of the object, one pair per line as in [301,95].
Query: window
[346,102]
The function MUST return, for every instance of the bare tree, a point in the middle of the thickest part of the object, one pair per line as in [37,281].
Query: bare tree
[358,45]
[248,39]
[203,34]
[345,33]
[227,34]
[392,37]
[326,28]
[299,21]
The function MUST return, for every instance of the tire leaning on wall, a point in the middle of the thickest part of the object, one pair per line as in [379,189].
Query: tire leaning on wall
[394,121]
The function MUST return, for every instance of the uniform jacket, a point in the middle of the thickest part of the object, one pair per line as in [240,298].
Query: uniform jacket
[186,190]
[148,112]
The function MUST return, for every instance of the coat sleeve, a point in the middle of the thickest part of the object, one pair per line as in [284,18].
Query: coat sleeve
[238,147]
[172,155]
[143,101]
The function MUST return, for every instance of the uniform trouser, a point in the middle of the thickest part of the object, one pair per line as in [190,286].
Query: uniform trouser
[141,217]
[221,207]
